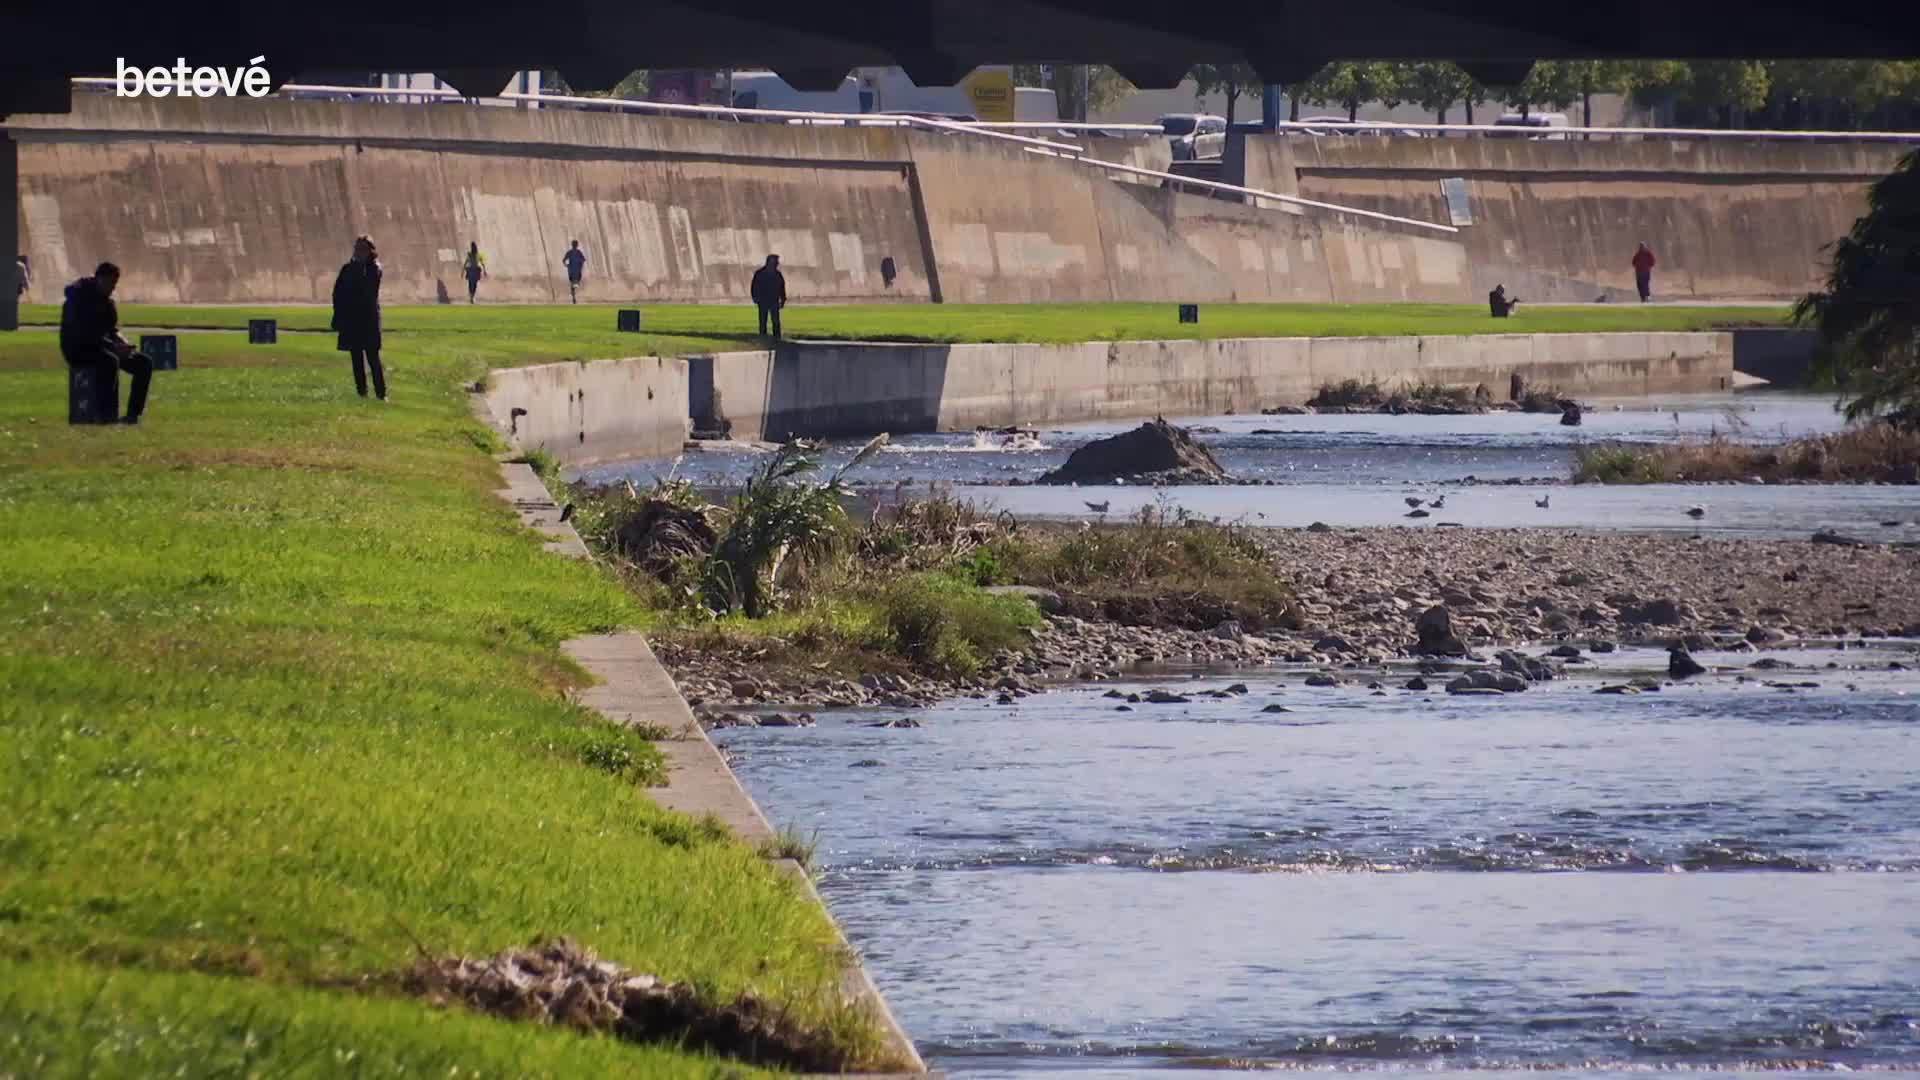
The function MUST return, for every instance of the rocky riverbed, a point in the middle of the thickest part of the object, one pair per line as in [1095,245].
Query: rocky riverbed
[1362,590]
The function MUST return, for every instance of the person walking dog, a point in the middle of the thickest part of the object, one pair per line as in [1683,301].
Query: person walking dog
[356,316]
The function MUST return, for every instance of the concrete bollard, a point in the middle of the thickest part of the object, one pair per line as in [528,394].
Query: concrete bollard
[162,349]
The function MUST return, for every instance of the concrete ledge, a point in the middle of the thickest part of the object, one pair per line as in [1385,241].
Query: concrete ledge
[633,688]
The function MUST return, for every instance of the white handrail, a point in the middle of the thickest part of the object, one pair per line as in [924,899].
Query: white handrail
[1527,131]
[905,120]
[1235,189]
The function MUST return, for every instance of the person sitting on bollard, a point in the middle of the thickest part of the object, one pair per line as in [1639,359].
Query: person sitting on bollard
[90,338]
[1499,304]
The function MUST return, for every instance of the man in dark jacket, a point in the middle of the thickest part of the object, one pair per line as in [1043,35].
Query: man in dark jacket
[769,294]
[1643,261]
[90,336]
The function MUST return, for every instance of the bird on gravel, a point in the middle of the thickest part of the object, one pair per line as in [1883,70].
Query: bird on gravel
[1696,511]
[1438,504]
[1413,503]
[1098,507]
[1543,500]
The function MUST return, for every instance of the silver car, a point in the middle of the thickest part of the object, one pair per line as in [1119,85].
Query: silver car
[1194,136]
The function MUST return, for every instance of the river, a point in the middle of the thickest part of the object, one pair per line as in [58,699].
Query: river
[1355,470]
[1724,874]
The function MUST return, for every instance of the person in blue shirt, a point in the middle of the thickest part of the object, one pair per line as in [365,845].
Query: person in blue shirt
[576,261]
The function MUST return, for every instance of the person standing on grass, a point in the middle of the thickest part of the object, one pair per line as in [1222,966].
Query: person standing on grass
[90,337]
[356,316]
[769,294]
[476,267]
[576,261]
[1643,261]
[23,277]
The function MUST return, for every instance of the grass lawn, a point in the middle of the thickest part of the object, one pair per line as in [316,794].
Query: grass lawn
[282,704]
[702,328]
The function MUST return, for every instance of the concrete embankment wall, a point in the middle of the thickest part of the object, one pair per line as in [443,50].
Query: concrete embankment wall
[1554,220]
[591,411]
[856,389]
[242,201]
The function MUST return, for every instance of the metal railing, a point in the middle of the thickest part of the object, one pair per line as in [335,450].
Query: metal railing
[1531,131]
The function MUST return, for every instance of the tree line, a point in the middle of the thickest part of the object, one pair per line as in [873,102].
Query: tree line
[1790,94]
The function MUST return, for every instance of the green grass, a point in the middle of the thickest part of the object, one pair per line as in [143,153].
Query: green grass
[282,703]
[701,328]
[72,1021]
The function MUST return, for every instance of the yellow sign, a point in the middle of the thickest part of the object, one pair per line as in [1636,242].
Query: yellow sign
[991,91]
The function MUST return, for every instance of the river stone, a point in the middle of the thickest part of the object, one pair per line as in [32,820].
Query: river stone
[1276,709]
[1681,664]
[1434,628]
[1156,451]
[1322,679]
[1662,612]
[1415,683]
[1045,599]
[1163,697]
[1620,688]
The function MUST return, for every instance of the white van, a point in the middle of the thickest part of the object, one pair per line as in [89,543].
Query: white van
[1534,125]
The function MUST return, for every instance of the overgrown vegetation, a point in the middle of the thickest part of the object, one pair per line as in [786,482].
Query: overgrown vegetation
[908,589]
[1875,452]
[1868,315]
[1352,394]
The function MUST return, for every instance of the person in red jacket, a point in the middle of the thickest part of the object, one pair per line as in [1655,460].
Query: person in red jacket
[1643,271]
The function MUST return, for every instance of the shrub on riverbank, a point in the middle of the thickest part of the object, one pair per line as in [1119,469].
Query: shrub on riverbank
[1163,568]
[948,626]
[1872,453]
[1353,395]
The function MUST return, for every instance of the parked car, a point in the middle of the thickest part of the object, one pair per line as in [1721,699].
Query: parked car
[1194,136]
[1531,126]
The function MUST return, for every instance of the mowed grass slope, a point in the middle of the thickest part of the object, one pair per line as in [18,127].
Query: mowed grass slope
[281,705]
[687,328]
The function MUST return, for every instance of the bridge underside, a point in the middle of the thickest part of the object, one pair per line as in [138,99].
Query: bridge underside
[594,43]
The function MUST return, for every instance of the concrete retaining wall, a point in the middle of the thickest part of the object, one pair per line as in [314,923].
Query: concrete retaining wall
[1559,220]
[600,410]
[858,389]
[240,201]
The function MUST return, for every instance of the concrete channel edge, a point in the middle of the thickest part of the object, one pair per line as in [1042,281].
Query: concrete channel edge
[633,687]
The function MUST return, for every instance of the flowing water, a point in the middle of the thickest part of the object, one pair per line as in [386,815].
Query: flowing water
[1721,875]
[1354,470]
[1724,874]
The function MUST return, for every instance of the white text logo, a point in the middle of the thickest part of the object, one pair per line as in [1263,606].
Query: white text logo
[184,80]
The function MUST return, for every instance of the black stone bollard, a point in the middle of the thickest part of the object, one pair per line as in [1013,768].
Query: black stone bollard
[263,331]
[162,349]
[629,320]
[1189,313]
[93,394]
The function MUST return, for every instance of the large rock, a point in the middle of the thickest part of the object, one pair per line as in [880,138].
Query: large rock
[1682,665]
[1436,637]
[1155,452]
